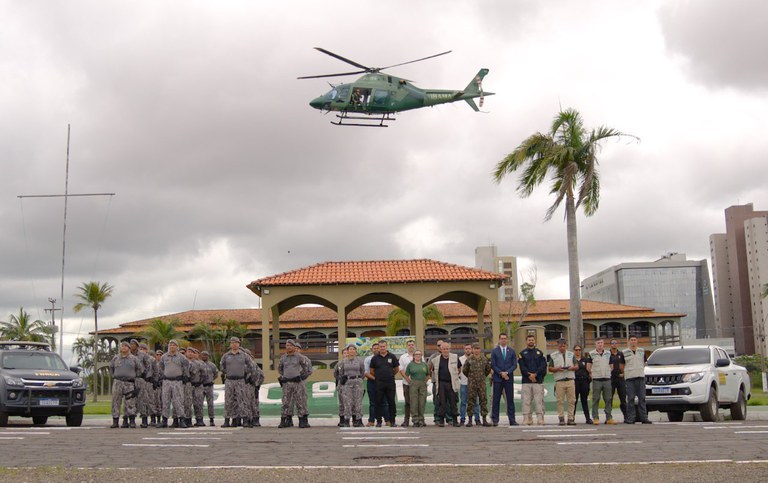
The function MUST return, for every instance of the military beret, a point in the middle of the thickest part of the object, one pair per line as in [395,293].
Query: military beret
[293,343]
[234,339]
[134,341]
[126,344]
[173,342]
[143,346]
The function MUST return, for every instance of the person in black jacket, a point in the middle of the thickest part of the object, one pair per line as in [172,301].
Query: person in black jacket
[533,368]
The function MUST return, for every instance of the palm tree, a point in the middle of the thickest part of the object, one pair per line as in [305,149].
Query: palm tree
[764,294]
[21,327]
[93,295]
[567,154]
[161,332]
[398,319]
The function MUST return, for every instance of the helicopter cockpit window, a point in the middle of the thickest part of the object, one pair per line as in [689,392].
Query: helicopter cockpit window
[343,94]
[380,97]
[331,95]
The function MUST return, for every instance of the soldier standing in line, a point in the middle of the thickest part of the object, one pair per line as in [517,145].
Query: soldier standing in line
[255,379]
[476,369]
[187,416]
[533,368]
[209,377]
[351,376]
[157,386]
[294,368]
[174,369]
[139,383]
[339,387]
[196,374]
[125,368]
[235,366]
[146,393]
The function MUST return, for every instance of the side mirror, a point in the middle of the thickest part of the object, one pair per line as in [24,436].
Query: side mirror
[722,363]
[76,369]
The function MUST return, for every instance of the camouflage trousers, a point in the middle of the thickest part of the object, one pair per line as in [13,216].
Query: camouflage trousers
[340,398]
[208,396]
[475,390]
[173,396]
[187,400]
[146,398]
[294,393]
[351,399]
[253,401]
[157,407]
[122,393]
[198,396]
[235,398]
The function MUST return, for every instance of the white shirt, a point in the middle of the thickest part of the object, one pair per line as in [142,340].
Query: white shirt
[405,359]
[463,380]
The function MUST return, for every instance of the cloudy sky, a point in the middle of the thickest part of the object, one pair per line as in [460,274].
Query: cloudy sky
[191,113]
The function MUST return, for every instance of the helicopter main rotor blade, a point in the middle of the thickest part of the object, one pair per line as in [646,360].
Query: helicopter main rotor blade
[417,60]
[343,59]
[333,75]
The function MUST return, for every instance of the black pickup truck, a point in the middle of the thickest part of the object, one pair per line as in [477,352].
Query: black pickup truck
[36,383]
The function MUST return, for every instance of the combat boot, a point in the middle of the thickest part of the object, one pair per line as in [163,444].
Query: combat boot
[236,422]
[115,423]
[344,423]
[199,422]
[561,421]
[357,422]
[153,422]
[247,423]
[289,419]
[175,423]
[183,423]
[341,422]
[144,423]
[211,423]
[283,422]
[469,423]
[256,423]
[226,423]
[125,422]
[189,422]
[304,421]
[486,424]
[164,424]
[132,423]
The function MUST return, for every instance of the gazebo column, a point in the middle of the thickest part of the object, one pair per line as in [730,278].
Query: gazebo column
[341,333]
[265,354]
[275,336]
[417,316]
[495,326]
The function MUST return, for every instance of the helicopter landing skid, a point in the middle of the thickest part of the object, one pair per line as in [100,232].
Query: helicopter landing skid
[370,120]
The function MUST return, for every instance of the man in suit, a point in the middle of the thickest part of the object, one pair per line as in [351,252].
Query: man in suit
[503,363]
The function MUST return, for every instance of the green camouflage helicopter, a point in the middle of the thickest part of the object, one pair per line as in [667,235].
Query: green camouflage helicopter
[373,99]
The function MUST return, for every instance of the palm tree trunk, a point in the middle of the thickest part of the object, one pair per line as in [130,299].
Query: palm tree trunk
[95,354]
[576,328]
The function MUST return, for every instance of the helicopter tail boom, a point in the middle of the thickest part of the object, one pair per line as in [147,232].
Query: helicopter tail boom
[475,89]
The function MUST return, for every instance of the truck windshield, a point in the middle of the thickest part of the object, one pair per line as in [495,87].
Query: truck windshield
[676,357]
[34,360]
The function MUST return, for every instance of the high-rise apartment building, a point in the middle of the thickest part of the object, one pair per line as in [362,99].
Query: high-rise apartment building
[487,258]
[671,284]
[740,269]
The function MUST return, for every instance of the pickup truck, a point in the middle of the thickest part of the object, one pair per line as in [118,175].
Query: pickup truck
[36,383]
[696,378]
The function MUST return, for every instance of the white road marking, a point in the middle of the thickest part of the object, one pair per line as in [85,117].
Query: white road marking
[385,445]
[26,433]
[377,433]
[180,433]
[731,427]
[381,437]
[596,435]
[750,432]
[555,430]
[180,439]
[167,445]
[12,437]
[601,442]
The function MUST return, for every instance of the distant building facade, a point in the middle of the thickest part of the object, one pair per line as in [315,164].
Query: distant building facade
[671,283]
[739,270]
[487,258]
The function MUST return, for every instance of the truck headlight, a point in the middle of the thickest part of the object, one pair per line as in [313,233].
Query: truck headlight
[77,383]
[13,381]
[693,377]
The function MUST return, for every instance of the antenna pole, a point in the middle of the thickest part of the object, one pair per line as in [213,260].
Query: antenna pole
[64,245]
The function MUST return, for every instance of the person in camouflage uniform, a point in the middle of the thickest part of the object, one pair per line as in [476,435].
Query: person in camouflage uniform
[174,369]
[477,368]
[236,365]
[351,375]
[145,382]
[209,377]
[293,369]
[125,368]
[254,381]
[188,386]
[196,375]
[339,388]
[157,386]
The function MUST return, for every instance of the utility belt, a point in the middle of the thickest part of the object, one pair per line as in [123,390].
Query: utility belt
[207,384]
[352,378]
[564,380]
[125,379]
[197,384]
[601,379]
[235,378]
[635,378]
[180,378]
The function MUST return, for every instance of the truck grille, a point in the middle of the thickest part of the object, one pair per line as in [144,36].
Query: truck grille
[664,380]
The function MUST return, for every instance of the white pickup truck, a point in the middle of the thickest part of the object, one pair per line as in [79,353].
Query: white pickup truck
[696,378]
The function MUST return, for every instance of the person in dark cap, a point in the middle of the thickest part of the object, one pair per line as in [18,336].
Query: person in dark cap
[236,365]
[209,377]
[351,376]
[125,368]
[146,392]
[563,365]
[293,369]
[157,391]
[174,369]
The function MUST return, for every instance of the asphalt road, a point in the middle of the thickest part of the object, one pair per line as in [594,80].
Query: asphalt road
[95,446]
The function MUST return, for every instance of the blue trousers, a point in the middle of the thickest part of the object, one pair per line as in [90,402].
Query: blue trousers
[463,391]
[371,385]
[508,388]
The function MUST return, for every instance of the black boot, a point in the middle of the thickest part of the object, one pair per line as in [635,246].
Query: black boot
[153,421]
[236,422]
[304,421]
[132,423]
[144,423]
[164,424]
[357,422]
[199,422]
[486,424]
[183,423]
[256,423]
[189,422]
[469,423]
[175,423]
[283,422]
[247,423]
[211,423]
[289,419]
[344,423]
[125,422]
[226,423]
[115,423]
[341,422]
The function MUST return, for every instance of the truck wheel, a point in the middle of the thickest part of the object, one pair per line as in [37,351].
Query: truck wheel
[709,409]
[39,420]
[3,419]
[75,418]
[739,408]
[675,416]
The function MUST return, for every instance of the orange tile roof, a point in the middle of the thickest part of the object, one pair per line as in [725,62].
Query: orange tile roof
[384,271]
[543,312]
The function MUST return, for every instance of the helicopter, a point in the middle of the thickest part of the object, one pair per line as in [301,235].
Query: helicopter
[374,99]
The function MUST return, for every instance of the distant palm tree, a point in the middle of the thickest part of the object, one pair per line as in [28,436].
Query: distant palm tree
[161,332]
[93,295]
[568,154]
[765,291]
[398,319]
[21,327]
